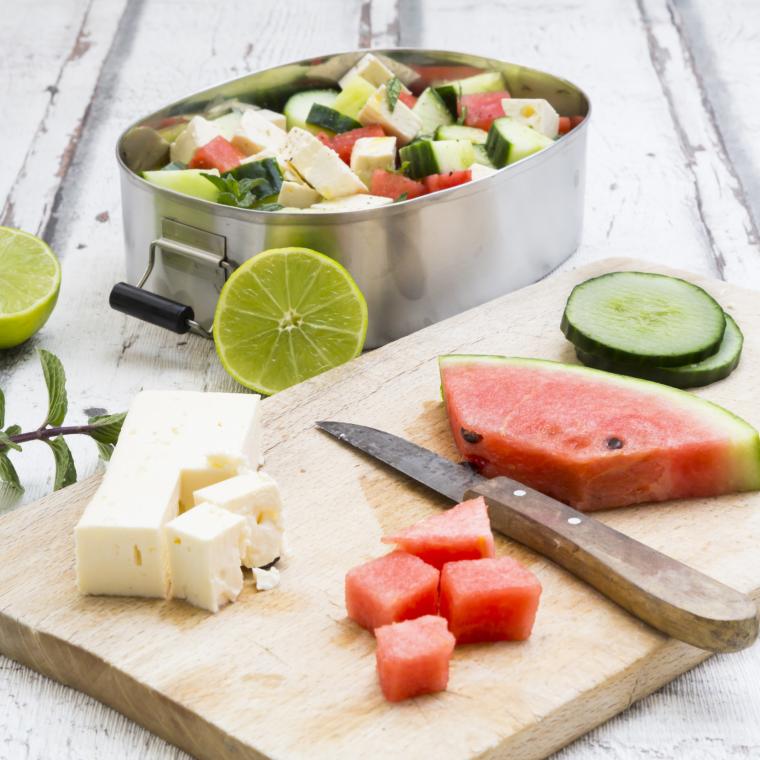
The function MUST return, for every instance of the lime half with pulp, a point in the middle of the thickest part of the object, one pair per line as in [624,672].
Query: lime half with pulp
[286,315]
[30,277]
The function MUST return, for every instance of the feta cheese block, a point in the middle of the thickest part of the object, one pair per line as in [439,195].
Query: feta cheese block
[478,171]
[371,68]
[256,496]
[401,122]
[370,153]
[278,119]
[352,203]
[206,547]
[296,195]
[196,134]
[171,444]
[320,166]
[257,133]
[533,112]
[266,580]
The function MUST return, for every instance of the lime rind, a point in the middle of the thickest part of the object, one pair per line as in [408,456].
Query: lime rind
[285,315]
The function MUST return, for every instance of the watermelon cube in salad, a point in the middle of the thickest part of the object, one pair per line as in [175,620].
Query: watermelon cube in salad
[218,154]
[463,532]
[413,657]
[343,143]
[434,182]
[482,108]
[396,186]
[493,599]
[396,587]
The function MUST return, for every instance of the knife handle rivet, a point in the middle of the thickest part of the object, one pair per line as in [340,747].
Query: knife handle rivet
[574,520]
[519,492]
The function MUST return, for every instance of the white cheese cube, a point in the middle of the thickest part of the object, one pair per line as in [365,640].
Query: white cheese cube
[297,195]
[533,112]
[255,496]
[401,122]
[196,134]
[278,119]
[480,170]
[370,153]
[320,166]
[171,443]
[206,547]
[257,133]
[352,203]
[266,579]
[372,69]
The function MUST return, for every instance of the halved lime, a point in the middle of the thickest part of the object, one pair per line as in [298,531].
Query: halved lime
[286,315]
[30,277]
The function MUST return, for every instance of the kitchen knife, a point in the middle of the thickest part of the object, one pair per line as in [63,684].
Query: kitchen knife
[670,596]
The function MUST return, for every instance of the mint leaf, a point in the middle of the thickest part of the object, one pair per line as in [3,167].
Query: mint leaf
[55,379]
[65,471]
[7,443]
[392,91]
[106,427]
[402,197]
[104,450]
[10,485]
[2,408]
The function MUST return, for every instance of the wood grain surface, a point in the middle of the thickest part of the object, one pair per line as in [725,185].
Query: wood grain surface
[285,673]
[674,176]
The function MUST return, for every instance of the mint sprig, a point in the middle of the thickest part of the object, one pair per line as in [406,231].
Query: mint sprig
[103,429]
[392,91]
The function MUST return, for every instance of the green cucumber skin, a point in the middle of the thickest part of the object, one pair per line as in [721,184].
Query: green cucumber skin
[588,345]
[330,119]
[688,376]
[498,148]
[422,160]
[432,111]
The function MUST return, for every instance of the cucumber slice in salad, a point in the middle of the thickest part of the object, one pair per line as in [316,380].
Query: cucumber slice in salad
[432,111]
[298,106]
[481,156]
[329,119]
[450,92]
[509,141]
[353,97]
[710,370]
[437,157]
[458,132]
[645,319]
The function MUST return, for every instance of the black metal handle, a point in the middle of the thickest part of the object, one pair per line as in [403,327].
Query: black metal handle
[150,307]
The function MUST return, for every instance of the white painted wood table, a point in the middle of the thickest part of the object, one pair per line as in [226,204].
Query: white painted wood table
[674,175]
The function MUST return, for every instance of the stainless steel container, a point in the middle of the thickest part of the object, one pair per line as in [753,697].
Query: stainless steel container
[416,261]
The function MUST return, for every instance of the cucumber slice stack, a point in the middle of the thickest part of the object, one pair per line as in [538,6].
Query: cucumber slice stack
[652,326]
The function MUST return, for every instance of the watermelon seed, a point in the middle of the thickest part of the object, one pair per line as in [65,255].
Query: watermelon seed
[614,443]
[471,437]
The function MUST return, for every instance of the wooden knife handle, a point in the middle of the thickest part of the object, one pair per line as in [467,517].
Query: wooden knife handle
[670,596]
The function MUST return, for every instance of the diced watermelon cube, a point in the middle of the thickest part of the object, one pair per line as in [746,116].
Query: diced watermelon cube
[435,182]
[219,154]
[343,143]
[413,657]
[565,125]
[463,532]
[407,99]
[395,186]
[389,589]
[489,599]
[324,138]
[482,108]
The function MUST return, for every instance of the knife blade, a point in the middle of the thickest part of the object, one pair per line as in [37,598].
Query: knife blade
[672,597]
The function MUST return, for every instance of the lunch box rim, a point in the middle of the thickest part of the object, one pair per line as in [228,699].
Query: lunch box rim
[330,217]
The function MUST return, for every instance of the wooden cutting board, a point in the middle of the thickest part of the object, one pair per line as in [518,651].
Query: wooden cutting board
[284,674]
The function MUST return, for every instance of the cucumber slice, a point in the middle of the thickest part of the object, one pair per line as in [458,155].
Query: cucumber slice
[458,132]
[329,119]
[432,111]
[186,181]
[298,106]
[450,92]
[437,157]
[353,97]
[710,370]
[645,319]
[481,156]
[509,141]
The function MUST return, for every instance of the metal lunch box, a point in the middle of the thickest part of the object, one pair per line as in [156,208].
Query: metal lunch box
[416,261]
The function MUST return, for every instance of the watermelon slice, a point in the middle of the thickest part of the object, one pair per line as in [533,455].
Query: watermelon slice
[389,589]
[489,599]
[413,657]
[464,532]
[594,439]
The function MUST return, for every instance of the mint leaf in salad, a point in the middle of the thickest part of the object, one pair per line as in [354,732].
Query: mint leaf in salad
[392,91]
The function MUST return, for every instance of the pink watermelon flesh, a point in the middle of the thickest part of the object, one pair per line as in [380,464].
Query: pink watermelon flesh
[492,599]
[594,439]
[413,657]
[389,589]
[464,532]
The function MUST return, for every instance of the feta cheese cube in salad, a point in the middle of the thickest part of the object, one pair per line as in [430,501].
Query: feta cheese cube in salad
[372,69]
[370,153]
[297,195]
[257,133]
[196,134]
[401,122]
[533,112]
[478,171]
[320,166]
